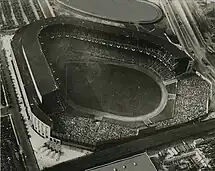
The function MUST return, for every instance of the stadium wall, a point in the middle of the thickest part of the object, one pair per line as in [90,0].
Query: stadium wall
[75,144]
[40,122]
[103,144]
[39,126]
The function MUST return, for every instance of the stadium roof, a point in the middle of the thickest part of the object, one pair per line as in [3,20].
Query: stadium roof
[117,10]
[140,162]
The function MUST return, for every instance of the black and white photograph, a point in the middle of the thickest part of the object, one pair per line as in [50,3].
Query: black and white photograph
[107,85]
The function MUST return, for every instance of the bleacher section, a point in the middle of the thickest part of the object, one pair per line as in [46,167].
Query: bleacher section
[88,130]
[191,100]
[96,48]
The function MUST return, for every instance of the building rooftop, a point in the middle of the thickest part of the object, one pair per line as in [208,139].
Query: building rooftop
[140,162]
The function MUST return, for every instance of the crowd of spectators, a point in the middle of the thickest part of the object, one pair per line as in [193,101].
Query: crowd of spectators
[95,48]
[10,156]
[13,7]
[88,130]
[191,100]
[126,43]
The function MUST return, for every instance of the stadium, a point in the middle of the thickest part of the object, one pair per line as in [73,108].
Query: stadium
[85,84]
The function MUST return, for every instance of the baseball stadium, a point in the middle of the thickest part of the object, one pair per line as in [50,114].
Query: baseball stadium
[87,83]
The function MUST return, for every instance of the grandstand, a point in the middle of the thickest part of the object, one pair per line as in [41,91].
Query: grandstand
[57,55]
[192,100]
[17,13]
[82,130]
[10,156]
[126,43]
